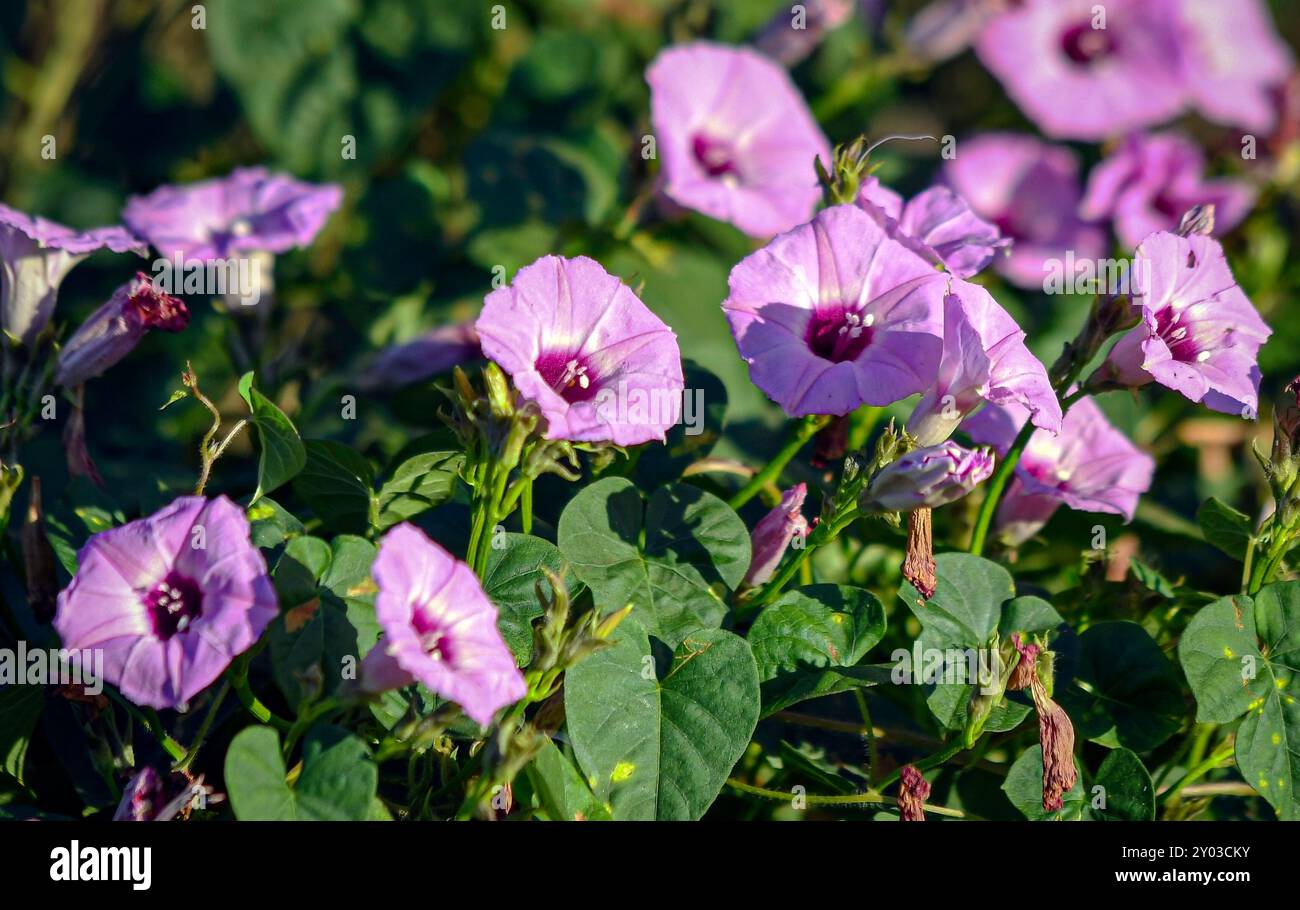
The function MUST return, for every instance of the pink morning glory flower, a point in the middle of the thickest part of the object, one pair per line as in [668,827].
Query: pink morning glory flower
[440,628]
[581,345]
[248,211]
[114,329]
[937,224]
[928,478]
[1089,466]
[735,137]
[1200,335]
[35,256]
[171,599]
[984,360]
[773,533]
[1031,191]
[835,314]
[1150,181]
[1086,70]
[1234,61]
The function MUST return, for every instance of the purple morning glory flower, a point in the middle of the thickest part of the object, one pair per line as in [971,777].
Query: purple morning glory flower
[928,478]
[984,359]
[835,314]
[1031,191]
[147,797]
[1151,180]
[1089,466]
[736,139]
[440,628]
[937,224]
[171,599]
[1077,80]
[1233,61]
[581,345]
[433,353]
[248,211]
[789,41]
[35,256]
[773,533]
[1200,335]
[114,329]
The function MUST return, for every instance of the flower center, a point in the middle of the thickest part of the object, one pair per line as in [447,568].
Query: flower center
[838,335]
[716,157]
[174,605]
[569,375]
[433,638]
[1179,337]
[1086,45]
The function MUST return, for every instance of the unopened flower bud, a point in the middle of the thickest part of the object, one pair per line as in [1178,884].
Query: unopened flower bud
[928,478]
[788,40]
[913,791]
[114,329]
[774,532]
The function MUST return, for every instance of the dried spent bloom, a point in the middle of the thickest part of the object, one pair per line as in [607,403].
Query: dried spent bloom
[736,139]
[1075,66]
[791,35]
[927,478]
[147,798]
[114,329]
[440,628]
[937,224]
[1199,335]
[984,360]
[835,314]
[171,599]
[1089,466]
[250,210]
[1150,181]
[1233,61]
[1025,673]
[913,791]
[774,532]
[1030,190]
[918,562]
[1056,736]
[581,345]
[35,256]
[433,353]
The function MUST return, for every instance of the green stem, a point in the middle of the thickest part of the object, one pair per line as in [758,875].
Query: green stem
[526,515]
[1216,758]
[869,731]
[870,798]
[148,718]
[997,486]
[185,763]
[823,534]
[925,764]
[255,706]
[800,433]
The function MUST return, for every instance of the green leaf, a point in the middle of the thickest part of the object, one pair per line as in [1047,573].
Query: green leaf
[510,580]
[419,483]
[1225,527]
[973,600]
[1239,655]
[967,603]
[563,794]
[327,620]
[1123,691]
[20,710]
[1126,794]
[337,783]
[657,740]
[336,484]
[806,632]
[283,455]
[271,524]
[1024,788]
[675,558]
